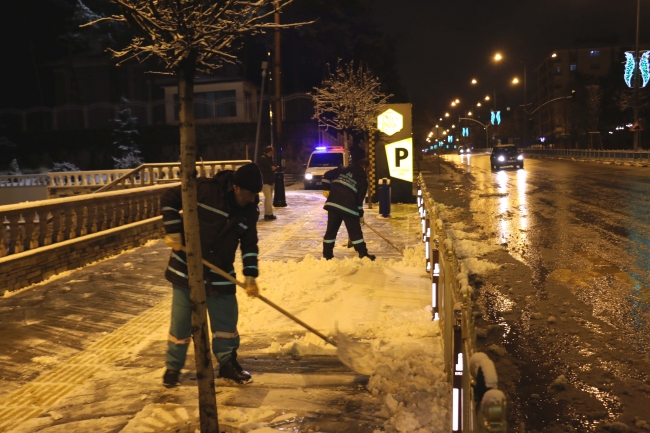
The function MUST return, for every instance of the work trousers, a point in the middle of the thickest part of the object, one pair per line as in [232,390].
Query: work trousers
[353,226]
[267,190]
[223,314]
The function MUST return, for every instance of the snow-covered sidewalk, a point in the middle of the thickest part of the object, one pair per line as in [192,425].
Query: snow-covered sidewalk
[298,381]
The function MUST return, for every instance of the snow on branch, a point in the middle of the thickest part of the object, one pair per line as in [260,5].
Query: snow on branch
[199,31]
[349,99]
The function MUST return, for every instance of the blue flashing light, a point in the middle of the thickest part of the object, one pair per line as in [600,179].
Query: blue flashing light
[321,148]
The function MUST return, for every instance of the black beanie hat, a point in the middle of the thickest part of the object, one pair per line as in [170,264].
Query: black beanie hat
[248,177]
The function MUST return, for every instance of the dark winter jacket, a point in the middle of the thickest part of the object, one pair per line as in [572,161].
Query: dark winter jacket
[222,226]
[265,164]
[347,186]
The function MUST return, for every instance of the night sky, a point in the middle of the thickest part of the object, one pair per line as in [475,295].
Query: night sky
[444,44]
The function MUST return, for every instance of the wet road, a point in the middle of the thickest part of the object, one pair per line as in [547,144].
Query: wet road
[576,299]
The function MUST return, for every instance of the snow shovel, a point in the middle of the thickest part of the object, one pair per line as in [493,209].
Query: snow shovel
[383,237]
[356,356]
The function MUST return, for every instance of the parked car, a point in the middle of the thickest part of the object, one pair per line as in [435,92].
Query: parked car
[321,161]
[506,155]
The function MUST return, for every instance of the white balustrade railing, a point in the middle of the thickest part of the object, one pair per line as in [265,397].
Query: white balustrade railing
[23,180]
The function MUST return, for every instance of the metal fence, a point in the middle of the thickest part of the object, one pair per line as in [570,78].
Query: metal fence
[477,404]
[612,155]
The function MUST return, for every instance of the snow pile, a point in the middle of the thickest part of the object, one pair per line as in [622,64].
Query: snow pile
[417,394]
[466,244]
[404,354]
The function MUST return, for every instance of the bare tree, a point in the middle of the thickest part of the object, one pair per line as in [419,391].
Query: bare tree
[190,36]
[349,100]
[594,99]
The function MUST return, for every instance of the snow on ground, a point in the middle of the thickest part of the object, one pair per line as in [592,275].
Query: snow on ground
[348,293]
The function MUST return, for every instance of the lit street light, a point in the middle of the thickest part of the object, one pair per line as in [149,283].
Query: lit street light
[469,113]
[487,98]
[478,104]
[453,104]
[446,114]
[497,57]
[554,55]
[515,80]
[457,101]
[474,81]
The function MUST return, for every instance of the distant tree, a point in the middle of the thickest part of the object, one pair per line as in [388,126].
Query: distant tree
[14,169]
[64,166]
[349,100]
[124,136]
[190,36]
[594,99]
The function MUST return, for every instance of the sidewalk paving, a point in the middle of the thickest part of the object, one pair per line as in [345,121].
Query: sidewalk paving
[85,351]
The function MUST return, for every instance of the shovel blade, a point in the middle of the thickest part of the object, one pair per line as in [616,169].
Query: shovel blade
[357,356]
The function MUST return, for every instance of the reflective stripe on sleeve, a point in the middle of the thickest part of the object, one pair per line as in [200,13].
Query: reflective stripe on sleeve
[167,223]
[177,257]
[169,268]
[210,208]
[165,208]
[326,181]
[346,184]
[243,226]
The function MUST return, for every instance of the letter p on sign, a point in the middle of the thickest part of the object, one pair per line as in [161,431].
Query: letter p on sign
[400,159]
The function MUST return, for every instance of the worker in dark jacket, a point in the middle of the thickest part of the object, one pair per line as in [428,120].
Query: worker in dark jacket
[268,177]
[345,189]
[227,210]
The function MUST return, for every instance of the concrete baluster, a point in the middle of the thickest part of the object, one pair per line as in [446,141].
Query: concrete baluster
[30,241]
[44,227]
[15,235]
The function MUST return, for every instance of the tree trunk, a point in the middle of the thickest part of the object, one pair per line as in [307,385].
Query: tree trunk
[200,336]
[346,148]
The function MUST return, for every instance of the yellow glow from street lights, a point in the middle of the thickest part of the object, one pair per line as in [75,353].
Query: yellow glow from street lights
[474,81]
[457,101]
[444,132]
[430,134]
[478,104]
[497,57]
[515,80]
[446,114]
[487,98]
[437,126]
[469,114]
[554,55]
[453,104]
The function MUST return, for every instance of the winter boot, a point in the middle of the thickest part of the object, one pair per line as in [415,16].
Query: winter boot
[170,379]
[328,250]
[229,371]
[236,364]
[370,256]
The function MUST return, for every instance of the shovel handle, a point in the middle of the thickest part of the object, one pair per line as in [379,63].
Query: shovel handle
[384,238]
[267,301]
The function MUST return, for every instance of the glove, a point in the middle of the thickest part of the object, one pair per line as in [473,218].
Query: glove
[175,241]
[251,287]
[360,213]
[326,193]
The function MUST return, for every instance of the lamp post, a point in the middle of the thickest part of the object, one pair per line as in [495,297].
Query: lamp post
[498,58]
[279,197]
[637,132]
[259,115]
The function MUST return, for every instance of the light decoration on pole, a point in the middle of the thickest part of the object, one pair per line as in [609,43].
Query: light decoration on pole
[629,68]
[450,139]
[644,67]
[465,132]
[495,117]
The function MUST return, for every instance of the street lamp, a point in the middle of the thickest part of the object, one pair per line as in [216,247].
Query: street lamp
[453,104]
[497,57]
[515,80]
[474,81]
[553,55]
[446,114]
[469,113]
[478,104]
[487,98]
[457,101]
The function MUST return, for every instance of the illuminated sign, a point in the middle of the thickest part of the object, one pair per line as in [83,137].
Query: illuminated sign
[400,159]
[495,117]
[465,132]
[629,68]
[450,138]
[390,122]
[644,67]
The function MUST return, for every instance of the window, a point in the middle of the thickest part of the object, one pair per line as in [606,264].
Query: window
[558,70]
[210,105]
[573,67]
[594,53]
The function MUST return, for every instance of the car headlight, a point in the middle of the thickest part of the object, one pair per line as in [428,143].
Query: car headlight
[501,158]
[520,157]
[461,151]
[308,176]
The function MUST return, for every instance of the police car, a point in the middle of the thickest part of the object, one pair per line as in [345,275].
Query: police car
[322,160]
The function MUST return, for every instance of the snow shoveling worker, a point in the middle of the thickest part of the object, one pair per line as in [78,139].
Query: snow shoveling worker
[228,214]
[345,189]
